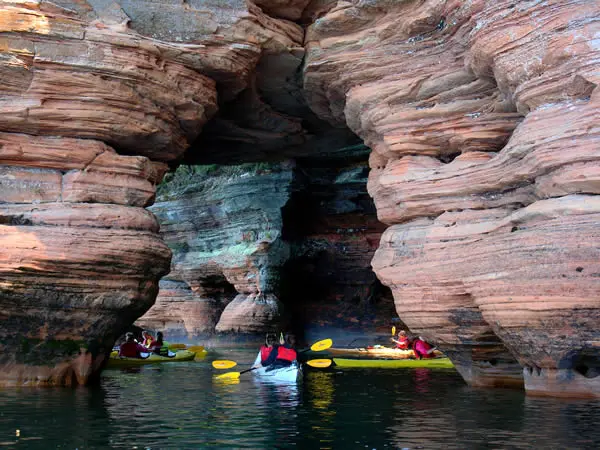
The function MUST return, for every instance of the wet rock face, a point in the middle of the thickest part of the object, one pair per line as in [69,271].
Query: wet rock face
[482,117]
[260,248]
[95,98]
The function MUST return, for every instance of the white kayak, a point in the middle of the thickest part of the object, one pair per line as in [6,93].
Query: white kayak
[289,374]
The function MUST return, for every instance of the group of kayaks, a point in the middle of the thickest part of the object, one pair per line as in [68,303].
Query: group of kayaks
[368,357]
[176,354]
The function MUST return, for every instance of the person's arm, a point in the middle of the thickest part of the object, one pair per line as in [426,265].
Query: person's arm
[394,340]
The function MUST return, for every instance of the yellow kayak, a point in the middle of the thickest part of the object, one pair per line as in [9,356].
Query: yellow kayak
[433,363]
[117,361]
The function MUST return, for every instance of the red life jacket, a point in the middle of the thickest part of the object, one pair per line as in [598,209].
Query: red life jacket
[286,354]
[264,353]
[403,344]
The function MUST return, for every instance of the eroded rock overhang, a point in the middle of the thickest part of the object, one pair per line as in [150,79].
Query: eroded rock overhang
[95,99]
[483,119]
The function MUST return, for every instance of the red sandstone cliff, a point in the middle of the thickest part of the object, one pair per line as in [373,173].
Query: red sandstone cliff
[93,100]
[483,119]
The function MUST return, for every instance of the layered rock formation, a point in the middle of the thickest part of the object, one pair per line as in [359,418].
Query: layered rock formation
[265,247]
[482,117]
[224,227]
[483,120]
[82,84]
[331,224]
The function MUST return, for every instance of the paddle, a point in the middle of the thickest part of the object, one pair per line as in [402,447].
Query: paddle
[234,375]
[393,331]
[196,348]
[223,364]
[319,346]
[320,363]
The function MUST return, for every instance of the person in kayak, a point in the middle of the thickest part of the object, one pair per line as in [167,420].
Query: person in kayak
[402,343]
[281,355]
[130,348]
[160,347]
[286,353]
[423,349]
[148,340]
[268,348]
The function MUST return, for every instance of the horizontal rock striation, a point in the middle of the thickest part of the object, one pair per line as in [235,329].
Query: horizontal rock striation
[95,98]
[483,120]
[331,224]
[79,258]
[224,225]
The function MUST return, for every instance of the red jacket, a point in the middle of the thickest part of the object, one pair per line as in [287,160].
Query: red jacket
[421,348]
[264,353]
[132,350]
[286,354]
[403,344]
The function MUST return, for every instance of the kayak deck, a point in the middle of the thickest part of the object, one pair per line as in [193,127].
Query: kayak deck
[433,363]
[289,374]
[117,361]
[395,353]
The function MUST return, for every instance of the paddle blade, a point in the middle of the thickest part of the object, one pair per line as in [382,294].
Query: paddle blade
[393,331]
[320,363]
[228,376]
[223,364]
[321,345]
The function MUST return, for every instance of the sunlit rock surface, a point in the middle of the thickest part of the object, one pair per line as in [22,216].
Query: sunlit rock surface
[483,119]
[95,98]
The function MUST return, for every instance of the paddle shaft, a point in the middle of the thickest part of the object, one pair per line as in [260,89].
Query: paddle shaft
[248,370]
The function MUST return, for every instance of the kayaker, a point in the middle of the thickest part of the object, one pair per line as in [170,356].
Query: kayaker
[130,348]
[268,348]
[160,347]
[148,341]
[402,342]
[286,353]
[423,349]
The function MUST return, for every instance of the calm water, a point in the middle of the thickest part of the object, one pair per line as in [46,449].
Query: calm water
[179,407]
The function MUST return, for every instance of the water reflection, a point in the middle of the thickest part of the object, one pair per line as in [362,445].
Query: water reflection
[180,407]
[75,414]
[320,391]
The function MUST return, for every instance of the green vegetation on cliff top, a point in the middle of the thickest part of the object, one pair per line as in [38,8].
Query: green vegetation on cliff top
[187,176]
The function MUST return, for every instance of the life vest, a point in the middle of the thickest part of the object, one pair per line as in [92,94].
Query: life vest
[286,354]
[421,348]
[163,350]
[403,344]
[264,353]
